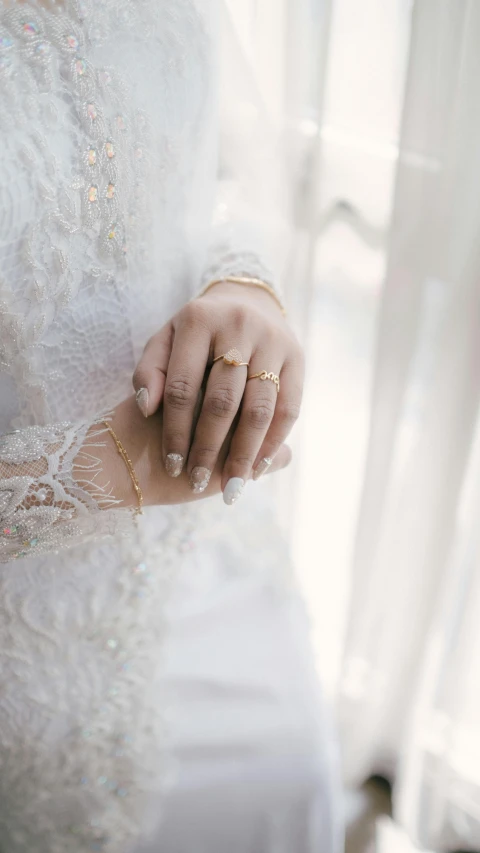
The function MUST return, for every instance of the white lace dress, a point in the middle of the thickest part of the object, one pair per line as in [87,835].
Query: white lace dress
[156,688]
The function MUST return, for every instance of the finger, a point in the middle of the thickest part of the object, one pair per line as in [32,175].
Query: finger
[287,411]
[258,407]
[282,459]
[186,369]
[151,371]
[223,396]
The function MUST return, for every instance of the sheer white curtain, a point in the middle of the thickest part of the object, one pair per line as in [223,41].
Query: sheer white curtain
[410,688]
[409,691]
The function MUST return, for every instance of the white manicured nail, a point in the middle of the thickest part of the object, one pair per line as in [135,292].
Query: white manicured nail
[233,490]
[142,401]
[174,464]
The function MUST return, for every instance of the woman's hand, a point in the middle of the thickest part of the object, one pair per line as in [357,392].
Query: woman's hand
[172,371]
[140,437]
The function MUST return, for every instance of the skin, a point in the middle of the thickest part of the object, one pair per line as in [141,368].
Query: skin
[176,359]
[239,423]
[140,437]
[227,437]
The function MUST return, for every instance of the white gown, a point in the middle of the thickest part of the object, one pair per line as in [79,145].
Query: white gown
[156,685]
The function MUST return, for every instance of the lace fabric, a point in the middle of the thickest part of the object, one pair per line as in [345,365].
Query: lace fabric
[80,746]
[109,125]
[42,505]
[91,169]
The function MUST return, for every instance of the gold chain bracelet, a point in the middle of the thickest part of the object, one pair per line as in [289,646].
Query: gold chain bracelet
[249,282]
[131,470]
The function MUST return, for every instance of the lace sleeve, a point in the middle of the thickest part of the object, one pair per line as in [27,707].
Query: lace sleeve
[249,234]
[51,494]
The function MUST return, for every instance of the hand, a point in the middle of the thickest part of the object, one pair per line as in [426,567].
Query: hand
[172,370]
[140,437]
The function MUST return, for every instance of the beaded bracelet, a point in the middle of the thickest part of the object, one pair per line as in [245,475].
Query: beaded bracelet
[249,282]
[131,470]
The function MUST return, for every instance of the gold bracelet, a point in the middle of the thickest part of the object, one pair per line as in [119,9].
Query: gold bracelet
[249,282]
[131,470]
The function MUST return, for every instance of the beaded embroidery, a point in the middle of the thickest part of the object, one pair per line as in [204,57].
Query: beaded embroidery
[82,144]
[84,792]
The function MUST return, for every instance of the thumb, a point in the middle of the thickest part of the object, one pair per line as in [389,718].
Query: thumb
[151,371]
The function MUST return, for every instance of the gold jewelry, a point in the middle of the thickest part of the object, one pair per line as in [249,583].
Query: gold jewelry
[249,282]
[233,357]
[131,470]
[264,375]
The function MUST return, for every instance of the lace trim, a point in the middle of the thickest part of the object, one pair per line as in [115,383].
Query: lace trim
[43,507]
[224,262]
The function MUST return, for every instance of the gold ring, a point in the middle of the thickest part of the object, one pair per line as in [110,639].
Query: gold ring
[264,375]
[233,357]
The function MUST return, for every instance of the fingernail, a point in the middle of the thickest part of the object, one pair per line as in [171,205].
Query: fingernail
[142,401]
[174,464]
[199,479]
[262,466]
[233,490]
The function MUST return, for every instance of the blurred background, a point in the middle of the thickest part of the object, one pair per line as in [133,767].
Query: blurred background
[377,104]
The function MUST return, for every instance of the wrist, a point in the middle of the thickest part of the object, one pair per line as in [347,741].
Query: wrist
[111,478]
[140,438]
[259,296]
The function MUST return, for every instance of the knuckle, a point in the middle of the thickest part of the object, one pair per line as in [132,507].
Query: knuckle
[269,337]
[260,414]
[288,412]
[275,442]
[239,317]
[203,454]
[179,393]
[194,314]
[221,402]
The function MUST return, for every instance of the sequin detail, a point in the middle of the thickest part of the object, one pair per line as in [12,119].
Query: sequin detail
[72,42]
[74,251]
[28,520]
[30,28]
[42,48]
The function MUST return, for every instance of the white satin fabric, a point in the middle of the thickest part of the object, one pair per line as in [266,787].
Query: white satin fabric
[254,769]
